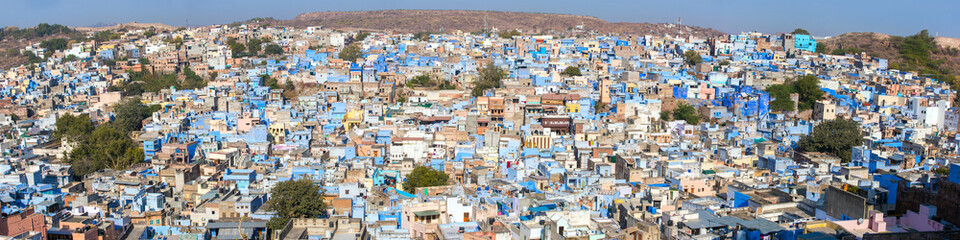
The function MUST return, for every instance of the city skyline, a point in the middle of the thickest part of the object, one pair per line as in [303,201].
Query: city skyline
[822,18]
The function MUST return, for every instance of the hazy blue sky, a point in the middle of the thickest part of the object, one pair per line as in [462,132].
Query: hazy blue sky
[821,17]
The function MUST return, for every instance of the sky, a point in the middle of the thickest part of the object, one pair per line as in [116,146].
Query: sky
[822,18]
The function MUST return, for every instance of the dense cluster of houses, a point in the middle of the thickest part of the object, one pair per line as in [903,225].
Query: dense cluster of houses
[547,155]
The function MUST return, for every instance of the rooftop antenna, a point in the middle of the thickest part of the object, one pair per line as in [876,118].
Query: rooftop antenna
[679,22]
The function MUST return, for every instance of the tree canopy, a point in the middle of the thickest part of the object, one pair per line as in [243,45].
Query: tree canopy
[781,97]
[490,77]
[105,147]
[41,30]
[254,45]
[571,71]
[273,49]
[53,45]
[267,81]
[692,58]
[295,199]
[130,114]
[836,137]
[422,36]
[419,81]
[191,80]
[361,36]
[808,87]
[687,113]
[800,31]
[69,58]
[73,127]
[235,47]
[422,176]
[351,52]
[509,34]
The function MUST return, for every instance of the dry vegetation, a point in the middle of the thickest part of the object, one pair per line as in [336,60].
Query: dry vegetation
[412,21]
[888,47]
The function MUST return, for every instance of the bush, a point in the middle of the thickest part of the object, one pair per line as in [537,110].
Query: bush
[295,199]
[687,113]
[490,77]
[692,58]
[351,52]
[571,71]
[424,177]
[273,49]
[836,137]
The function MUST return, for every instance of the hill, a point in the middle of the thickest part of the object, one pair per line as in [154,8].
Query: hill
[936,56]
[413,21]
[127,26]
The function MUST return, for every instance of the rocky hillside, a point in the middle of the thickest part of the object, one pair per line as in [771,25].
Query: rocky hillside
[941,52]
[413,21]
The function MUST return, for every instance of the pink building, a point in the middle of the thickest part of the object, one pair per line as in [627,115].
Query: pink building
[919,221]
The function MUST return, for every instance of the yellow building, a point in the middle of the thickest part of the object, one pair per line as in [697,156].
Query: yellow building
[352,119]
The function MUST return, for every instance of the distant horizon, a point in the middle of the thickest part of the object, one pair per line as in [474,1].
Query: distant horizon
[822,18]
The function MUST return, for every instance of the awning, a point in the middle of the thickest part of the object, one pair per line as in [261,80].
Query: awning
[426,213]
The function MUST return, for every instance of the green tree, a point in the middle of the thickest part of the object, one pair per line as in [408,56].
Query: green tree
[53,45]
[130,114]
[104,36]
[254,45]
[177,42]
[692,58]
[105,147]
[33,58]
[267,81]
[422,36]
[800,31]
[571,71]
[836,137]
[361,36]
[351,52]
[69,58]
[273,49]
[509,34]
[192,80]
[808,87]
[289,90]
[235,47]
[150,32]
[422,176]
[822,48]
[599,107]
[665,115]
[687,113]
[781,97]
[73,127]
[419,81]
[724,63]
[295,199]
[490,77]
[39,31]
[446,85]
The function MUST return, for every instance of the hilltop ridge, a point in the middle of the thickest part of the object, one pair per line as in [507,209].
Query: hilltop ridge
[472,21]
